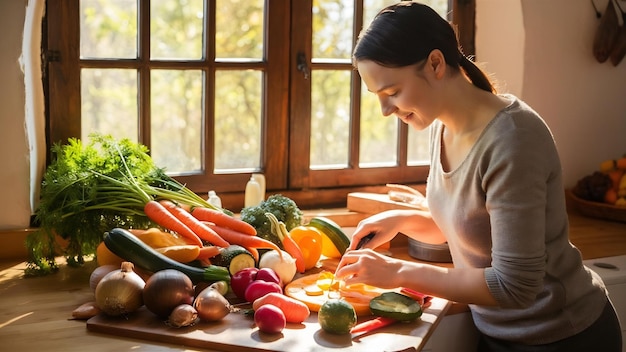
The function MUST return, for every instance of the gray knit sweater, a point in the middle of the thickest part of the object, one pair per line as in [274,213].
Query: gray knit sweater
[503,209]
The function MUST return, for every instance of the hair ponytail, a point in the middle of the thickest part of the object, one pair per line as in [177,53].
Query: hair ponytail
[476,75]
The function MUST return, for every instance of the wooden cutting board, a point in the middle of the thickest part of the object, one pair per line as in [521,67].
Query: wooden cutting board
[237,332]
[373,203]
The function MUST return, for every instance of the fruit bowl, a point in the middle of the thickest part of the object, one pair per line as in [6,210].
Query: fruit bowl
[597,209]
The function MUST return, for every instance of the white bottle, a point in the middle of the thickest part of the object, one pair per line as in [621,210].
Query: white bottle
[253,193]
[260,178]
[214,199]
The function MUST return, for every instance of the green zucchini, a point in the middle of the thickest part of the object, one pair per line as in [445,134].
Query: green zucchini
[396,306]
[128,247]
[234,258]
[332,231]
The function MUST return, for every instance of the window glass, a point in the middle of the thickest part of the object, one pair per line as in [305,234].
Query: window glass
[379,134]
[330,119]
[239,32]
[176,119]
[238,109]
[176,29]
[108,29]
[109,102]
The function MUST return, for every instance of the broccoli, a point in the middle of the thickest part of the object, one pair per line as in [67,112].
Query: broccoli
[285,210]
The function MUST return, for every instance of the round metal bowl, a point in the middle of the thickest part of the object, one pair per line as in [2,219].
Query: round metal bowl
[439,253]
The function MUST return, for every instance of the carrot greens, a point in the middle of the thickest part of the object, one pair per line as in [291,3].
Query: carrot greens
[90,188]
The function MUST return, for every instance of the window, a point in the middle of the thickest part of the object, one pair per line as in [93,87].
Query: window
[220,89]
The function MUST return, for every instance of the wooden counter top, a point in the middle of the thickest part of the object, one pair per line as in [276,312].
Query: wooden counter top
[35,312]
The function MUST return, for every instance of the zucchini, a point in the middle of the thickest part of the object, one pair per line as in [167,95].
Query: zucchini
[332,231]
[130,248]
[396,306]
[234,258]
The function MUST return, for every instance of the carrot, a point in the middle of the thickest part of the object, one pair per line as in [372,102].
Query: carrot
[372,324]
[156,212]
[246,241]
[200,229]
[207,252]
[222,219]
[292,248]
[295,311]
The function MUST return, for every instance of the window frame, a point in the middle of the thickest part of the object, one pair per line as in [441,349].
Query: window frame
[287,103]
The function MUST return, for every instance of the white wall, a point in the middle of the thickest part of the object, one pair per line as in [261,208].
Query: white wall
[539,50]
[14,169]
[542,51]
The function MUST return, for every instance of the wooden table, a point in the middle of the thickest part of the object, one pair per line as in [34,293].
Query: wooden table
[35,314]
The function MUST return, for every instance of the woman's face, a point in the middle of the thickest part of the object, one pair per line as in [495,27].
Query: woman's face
[407,92]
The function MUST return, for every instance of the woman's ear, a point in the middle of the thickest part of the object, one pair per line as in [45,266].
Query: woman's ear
[437,63]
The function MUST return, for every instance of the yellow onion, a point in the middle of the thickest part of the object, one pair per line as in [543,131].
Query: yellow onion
[120,291]
[167,289]
[211,305]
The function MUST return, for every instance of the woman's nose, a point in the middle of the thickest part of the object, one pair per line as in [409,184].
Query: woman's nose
[386,108]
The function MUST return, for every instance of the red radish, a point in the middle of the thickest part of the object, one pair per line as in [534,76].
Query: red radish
[241,279]
[260,288]
[295,311]
[267,274]
[270,319]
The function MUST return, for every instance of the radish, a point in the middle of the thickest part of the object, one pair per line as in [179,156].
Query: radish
[270,319]
[260,288]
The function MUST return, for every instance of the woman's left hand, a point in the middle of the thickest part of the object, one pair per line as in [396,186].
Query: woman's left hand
[369,267]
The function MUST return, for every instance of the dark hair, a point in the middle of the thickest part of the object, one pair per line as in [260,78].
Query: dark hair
[405,33]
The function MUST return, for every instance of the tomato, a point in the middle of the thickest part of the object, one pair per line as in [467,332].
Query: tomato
[309,239]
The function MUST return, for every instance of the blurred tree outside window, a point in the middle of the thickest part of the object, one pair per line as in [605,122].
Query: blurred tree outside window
[220,89]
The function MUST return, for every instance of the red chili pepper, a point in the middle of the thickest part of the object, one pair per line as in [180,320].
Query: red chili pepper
[421,298]
[371,325]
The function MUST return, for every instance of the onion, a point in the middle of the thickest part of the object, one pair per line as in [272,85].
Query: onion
[120,291]
[285,268]
[98,273]
[183,315]
[165,290]
[211,305]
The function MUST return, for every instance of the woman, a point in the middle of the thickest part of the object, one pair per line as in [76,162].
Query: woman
[494,191]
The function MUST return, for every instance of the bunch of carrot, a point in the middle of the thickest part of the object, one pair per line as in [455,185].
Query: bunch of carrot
[208,228]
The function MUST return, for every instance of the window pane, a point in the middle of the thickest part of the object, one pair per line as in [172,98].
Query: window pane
[176,119]
[108,29]
[238,121]
[418,147]
[371,8]
[379,134]
[176,29]
[109,102]
[332,28]
[330,119]
[239,29]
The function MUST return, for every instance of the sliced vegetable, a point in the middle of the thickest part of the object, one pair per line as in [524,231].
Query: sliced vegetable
[128,246]
[333,232]
[235,258]
[291,247]
[196,226]
[371,325]
[163,217]
[396,306]
[421,298]
[222,219]
[294,310]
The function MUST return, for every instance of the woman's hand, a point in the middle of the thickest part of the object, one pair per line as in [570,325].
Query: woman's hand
[386,225]
[368,267]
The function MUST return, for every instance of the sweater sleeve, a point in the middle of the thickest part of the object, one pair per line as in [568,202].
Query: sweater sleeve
[515,171]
